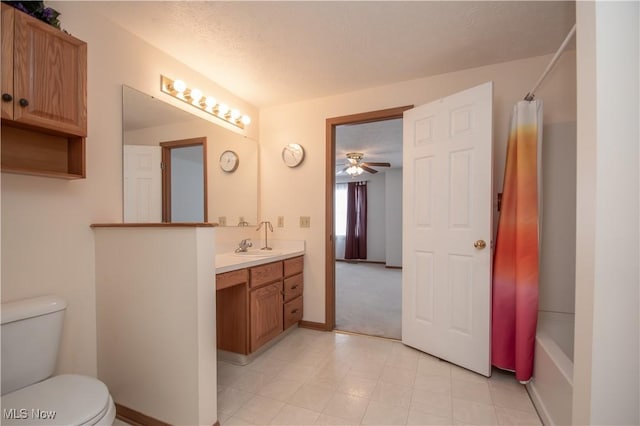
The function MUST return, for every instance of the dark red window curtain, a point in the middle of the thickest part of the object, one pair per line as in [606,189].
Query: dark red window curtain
[356,235]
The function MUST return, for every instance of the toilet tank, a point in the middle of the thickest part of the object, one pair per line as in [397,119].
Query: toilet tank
[31,330]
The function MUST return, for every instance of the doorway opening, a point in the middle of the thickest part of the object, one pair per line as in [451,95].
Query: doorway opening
[184,180]
[356,282]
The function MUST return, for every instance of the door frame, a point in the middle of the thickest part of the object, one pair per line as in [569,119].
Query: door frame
[166,173]
[330,173]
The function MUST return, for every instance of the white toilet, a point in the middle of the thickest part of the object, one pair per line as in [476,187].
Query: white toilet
[31,330]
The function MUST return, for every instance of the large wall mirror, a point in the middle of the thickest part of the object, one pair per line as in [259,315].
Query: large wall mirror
[171,166]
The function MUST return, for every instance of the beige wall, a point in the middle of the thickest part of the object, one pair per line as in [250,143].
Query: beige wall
[156,321]
[47,246]
[607,344]
[300,191]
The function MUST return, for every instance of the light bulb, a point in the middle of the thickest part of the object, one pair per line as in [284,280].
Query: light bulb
[223,109]
[235,114]
[195,95]
[210,101]
[179,86]
[246,120]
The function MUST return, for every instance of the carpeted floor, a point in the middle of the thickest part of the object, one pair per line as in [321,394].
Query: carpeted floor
[369,299]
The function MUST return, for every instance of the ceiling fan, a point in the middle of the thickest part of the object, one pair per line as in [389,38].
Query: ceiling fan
[355,166]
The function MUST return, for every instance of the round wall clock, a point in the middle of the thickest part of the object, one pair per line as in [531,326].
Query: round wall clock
[292,154]
[229,161]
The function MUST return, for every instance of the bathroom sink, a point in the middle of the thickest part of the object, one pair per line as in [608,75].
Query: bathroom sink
[257,253]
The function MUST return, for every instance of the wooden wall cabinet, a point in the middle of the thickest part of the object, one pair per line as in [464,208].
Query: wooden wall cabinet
[44,98]
[257,304]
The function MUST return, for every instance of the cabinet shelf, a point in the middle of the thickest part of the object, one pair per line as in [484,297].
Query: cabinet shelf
[44,98]
[40,154]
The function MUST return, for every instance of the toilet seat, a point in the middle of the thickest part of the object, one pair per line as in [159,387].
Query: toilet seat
[75,399]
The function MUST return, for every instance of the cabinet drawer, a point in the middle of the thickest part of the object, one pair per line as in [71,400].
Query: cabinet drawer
[292,312]
[293,266]
[229,279]
[265,273]
[292,287]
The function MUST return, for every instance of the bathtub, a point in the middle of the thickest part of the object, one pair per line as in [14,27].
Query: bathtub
[551,388]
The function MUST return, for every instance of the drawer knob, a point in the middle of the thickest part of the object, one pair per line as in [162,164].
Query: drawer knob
[23,102]
[7,97]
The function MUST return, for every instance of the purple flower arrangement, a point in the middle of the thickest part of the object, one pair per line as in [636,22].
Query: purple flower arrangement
[38,10]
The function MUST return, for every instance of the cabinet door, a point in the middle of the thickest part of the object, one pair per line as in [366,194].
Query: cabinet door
[266,314]
[6,78]
[50,77]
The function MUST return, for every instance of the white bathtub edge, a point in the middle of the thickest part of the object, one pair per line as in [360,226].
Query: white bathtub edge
[538,404]
[551,388]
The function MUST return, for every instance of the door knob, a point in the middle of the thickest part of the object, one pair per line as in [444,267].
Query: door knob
[480,244]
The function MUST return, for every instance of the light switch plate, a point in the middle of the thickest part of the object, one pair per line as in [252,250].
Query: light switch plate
[280,221]
[305,222]
[222,220]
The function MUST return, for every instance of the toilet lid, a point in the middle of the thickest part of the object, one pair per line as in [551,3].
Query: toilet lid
[67,399]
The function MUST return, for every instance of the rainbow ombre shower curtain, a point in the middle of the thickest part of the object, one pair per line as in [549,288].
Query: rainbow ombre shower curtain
[515,267]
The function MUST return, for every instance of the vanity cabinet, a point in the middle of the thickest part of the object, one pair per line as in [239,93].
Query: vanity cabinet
[256,304]
[44,98]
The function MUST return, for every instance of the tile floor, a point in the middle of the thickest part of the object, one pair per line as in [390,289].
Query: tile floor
[320,378]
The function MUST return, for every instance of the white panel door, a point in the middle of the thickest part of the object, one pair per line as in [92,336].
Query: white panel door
[447,208]
[142,184]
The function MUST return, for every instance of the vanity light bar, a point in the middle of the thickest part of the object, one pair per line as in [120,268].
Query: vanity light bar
[194,97]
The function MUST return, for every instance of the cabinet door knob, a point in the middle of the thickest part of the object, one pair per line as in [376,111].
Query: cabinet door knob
[7,97]
[23,102]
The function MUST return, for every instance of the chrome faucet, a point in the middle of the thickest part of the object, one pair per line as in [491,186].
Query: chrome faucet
[269,226]
[244,245]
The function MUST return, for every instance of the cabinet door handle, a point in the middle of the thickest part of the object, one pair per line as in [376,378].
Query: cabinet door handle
[295,311]
[7,97]
[23,102]
[293,287]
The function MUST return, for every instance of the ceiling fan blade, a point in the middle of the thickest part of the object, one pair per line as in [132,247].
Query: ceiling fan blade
[343,170]
[368,169]
[377,164]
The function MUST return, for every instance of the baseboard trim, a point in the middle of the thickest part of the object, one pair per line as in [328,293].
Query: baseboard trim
[376,262]
[320,326]
[136,418]
[379,262]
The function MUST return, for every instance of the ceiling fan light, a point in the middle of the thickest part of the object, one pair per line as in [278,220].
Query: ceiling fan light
[354,170]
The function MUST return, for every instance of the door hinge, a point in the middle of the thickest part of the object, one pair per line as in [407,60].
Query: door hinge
[499,201]
[162,166]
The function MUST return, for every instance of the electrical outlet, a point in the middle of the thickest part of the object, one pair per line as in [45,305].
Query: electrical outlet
[280,221]
[305,221]
[222,220]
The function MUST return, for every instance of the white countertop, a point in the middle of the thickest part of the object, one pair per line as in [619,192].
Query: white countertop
[282,249]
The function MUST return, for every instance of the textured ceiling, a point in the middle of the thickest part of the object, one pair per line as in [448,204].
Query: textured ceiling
[379,141]
[272,53]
